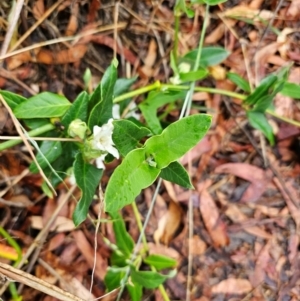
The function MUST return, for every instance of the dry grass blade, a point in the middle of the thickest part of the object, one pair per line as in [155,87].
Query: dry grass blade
[36,283]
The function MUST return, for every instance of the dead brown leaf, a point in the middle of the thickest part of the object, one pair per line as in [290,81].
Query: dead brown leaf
[38,9]
[213,223]
[232,286]
[73,21]
[168,224]
[88,252]
[259,178]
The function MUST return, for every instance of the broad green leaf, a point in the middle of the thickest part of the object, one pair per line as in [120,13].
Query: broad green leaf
[78,110]
[160,262]
[135,291]
[43,105]
[177,174]
[177,139]
[193,75]
[124,241]
[259,121]
[122,85]
[291,90]
[114,277]
[87,178]
[154,101]
[101,101]
[262,89]
[239,81]
[36,123]
[51,150]
[128,179]
[149,279]
[214,2]
[263,103]
[210,56]
[62,163]
[12,99]
[126,135]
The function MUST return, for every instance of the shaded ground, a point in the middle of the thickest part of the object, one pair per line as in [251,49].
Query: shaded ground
[246,215]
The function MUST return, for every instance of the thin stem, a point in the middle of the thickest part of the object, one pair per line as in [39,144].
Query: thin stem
[176,38]
[287,120]
[137,92]
[33,133]
[139,224]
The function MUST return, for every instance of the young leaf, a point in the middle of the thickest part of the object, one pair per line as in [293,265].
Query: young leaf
[154,101]
[122,85]
[43,105]
[239,81]
[87,178]
[193,75]
[135,291]
[101,101]
[36,123]
[149,279]
[291,90]
[177,174]
[114,277]
[259,121]
[78,110]
[12,99]
[51,150]
[124,241]
[210,56]
[160,262]
[128,179]
[126,135]
[263,103]
[178,138]
[261,90]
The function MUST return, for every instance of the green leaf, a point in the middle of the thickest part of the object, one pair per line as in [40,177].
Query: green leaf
[263,103]
[259,121]
[43,105]
[193,75]
[210,56]
[214,2]
[87,178]
[180,7]
[78,110]
[154,101]
[124,241]
[12,99]
[128,179]
[36,122]
[177,139]
[160,262]
[239,81]
[149,279]
[126,135]
[101,100]
[177,174]
[123,85]
[291,90]
[51,150]
[135,291]
[114,277]
[262,90]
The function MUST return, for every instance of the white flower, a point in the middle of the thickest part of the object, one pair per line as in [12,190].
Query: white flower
[116,111]
[103,138]
[99,162]
[130,111]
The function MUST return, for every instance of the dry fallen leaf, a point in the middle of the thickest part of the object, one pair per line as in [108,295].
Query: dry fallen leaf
[259,178]
[232,286]
[213,223]
[168,224]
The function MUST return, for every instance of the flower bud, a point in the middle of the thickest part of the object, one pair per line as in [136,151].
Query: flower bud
[77,128]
